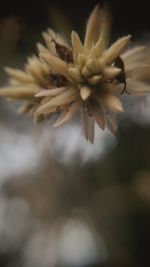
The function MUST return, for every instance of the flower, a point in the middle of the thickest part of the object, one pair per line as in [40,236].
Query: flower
[86,77]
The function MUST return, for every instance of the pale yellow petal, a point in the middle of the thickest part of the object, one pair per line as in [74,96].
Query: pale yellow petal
[98,49]
[92,29]
[56,102]
[75,73]
[110,73]
[48,39]
[95,79]
[116,49]
[42,49]
[58,38]
[104,37]
[112,102]
[105,28]
[57,64]
[76,45]
[37,69]
[81,59]
[85,93]
[92,65]
[19,76]
[51,92]
[19,92]
[86,72]
[52,34]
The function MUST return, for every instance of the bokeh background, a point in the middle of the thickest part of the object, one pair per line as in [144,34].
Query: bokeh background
[63,201]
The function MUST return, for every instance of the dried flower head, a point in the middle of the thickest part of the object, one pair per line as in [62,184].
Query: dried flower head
[83,77]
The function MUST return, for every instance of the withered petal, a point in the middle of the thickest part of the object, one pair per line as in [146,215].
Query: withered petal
[98,114]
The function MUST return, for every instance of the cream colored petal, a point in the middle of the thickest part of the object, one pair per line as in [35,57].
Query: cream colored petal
[37,69]
[85,93]
[42,49]
[112,102]
[135,68]
[62,99]
[92,65]
[76,45]
[104,37]
[19,92]
[51,92]
[72,110]
[58,38]
[52,34]
[116,49]
[75,73]
[105,29]
[57,64]
[81,59]
[98,114]
[135,87]
[133,53]
[19,75]
[49,43]
[98,49]
[135,59]
[92,29]
[48,39]
[86,72]
[110,73]
[95,79]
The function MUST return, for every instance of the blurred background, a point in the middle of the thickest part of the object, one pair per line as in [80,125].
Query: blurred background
[63,201]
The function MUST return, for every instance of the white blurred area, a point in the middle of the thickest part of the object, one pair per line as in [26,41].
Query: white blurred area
[23,152]
[15,223]
[17,153]
[70,242]
[25,225]
[137,108]
[36,220]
